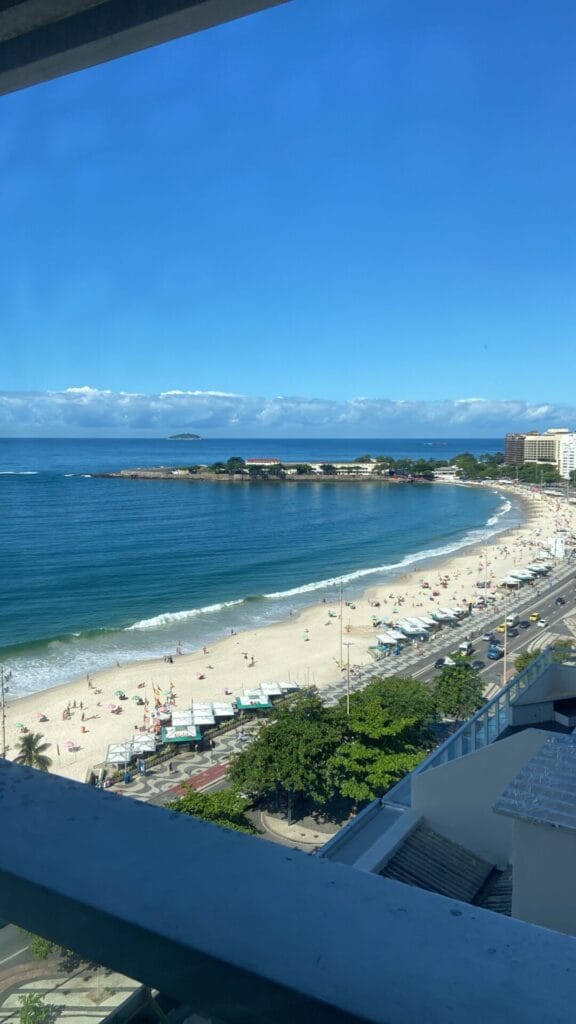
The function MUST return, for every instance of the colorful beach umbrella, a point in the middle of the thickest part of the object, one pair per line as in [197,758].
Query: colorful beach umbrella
[118,693]
[111,707]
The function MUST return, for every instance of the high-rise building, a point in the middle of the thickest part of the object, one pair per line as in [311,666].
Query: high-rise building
[514,449]
[556,447]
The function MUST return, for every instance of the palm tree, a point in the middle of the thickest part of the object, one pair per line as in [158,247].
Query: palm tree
[31,752]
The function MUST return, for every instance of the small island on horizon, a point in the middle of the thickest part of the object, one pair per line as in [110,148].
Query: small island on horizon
[184,437]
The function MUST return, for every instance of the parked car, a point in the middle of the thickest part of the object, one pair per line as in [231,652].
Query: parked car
[560,600]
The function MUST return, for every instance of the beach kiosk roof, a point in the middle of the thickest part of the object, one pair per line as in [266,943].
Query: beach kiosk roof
[143,743]
[223,709]
[288,687]
[420,623]
[271,689]
[119,753]
[409,628]
[253,700]
[389,639]
[182,717]
[203,717]
[450,613]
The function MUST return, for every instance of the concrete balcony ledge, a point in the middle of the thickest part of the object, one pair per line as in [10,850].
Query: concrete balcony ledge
[43,39]
[245,930]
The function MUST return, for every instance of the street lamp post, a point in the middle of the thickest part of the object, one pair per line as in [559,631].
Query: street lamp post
[3,709]
[349,644]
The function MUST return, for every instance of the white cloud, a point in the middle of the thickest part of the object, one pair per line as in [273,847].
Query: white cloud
[88,411]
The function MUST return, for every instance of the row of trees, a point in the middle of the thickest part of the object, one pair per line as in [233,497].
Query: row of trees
[313,753]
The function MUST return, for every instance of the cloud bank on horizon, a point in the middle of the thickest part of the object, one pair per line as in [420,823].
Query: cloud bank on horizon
[90,412]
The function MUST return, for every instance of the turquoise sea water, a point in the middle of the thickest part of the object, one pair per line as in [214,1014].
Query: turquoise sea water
[96,571]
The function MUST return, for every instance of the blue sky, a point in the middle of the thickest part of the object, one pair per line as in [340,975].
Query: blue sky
[339,216]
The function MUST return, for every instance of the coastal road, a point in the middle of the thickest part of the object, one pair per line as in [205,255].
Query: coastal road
[528,638]
[13,947]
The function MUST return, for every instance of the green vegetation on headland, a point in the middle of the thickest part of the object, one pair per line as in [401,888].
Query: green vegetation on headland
[184,437]
[382,468]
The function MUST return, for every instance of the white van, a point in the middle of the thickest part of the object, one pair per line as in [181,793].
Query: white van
[465,647]
[512,620]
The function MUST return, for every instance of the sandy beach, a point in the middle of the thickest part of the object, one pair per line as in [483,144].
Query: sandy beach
[305,648]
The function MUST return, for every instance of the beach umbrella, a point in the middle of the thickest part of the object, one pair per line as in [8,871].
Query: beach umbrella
[111,707]
[70,745]
[19,725]
[41,716]
[118,693]
[136,697]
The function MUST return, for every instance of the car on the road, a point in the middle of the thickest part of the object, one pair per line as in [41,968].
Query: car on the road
[560,600]
[513,632]
[534,616]
[439,663]
[488,637]
[478,665]
[524,624]
[542,623]
[495,652]
[501,628]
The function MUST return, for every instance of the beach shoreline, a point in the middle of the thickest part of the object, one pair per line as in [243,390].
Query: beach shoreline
[307,647]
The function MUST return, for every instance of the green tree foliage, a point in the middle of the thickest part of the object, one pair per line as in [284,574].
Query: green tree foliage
[41,948]
[226,808]
[33,1009]
[291,752]
[328,469]
[32,752]
[303,469]
[458,691]
[538,473]
[364,458]
[235,464]
[384,736]
[524,659]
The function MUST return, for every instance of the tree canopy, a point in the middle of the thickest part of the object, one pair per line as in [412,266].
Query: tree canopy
[226,807]
[458,691]
[311,751]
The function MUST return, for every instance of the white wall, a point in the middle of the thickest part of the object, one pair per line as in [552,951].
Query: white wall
[543,876]
[457,798]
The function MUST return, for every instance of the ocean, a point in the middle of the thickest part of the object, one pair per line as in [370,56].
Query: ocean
[97,571]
